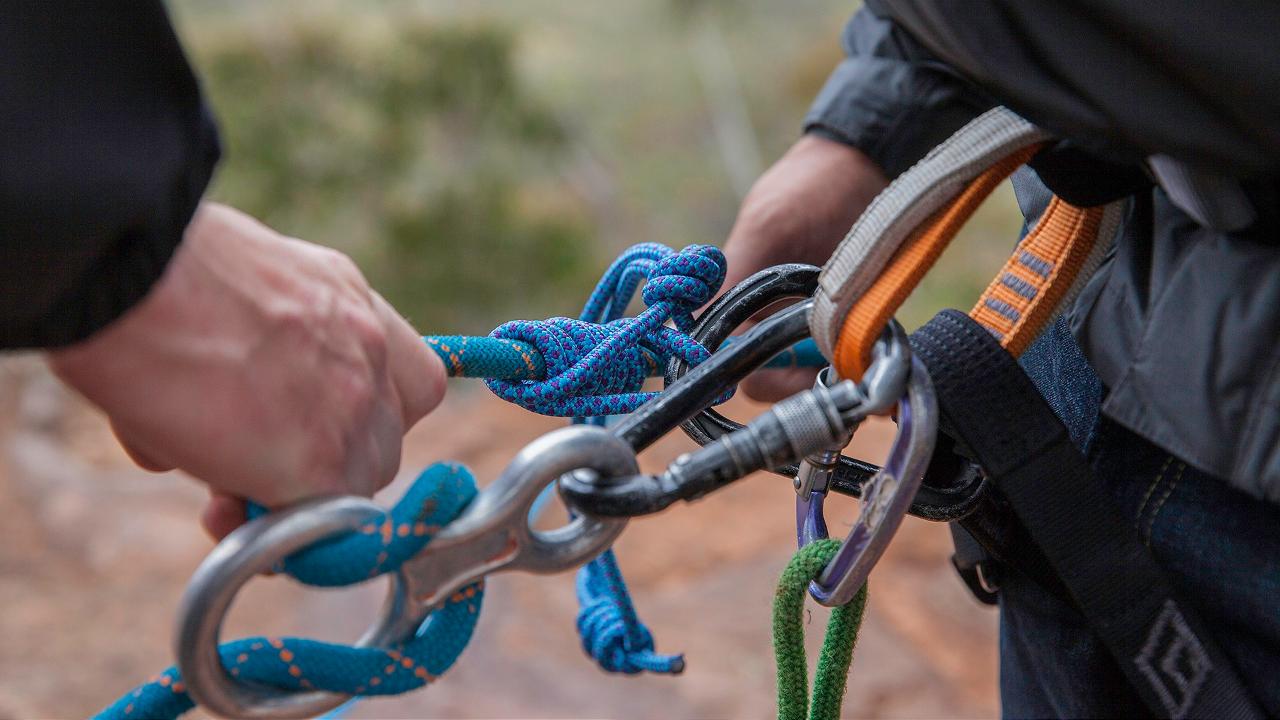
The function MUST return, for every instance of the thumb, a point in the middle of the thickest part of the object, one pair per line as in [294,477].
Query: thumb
[416,372]
[142,458]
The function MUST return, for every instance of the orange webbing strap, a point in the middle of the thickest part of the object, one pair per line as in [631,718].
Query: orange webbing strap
[869,315]
[1022,298]
[1015,306]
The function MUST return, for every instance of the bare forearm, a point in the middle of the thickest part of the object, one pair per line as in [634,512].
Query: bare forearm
[802,206]
[798,211]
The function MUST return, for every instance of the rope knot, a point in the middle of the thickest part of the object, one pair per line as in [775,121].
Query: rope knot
[597,365]
[687,279]
[584,365]
[611,633]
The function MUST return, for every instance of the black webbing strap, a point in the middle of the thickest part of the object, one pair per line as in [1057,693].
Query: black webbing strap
[991,406]
[976,567]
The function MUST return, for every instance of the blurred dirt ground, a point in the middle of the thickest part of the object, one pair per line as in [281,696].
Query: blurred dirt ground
[94,555]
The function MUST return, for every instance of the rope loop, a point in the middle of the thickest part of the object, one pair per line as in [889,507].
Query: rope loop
[438,495]
[830,680]
[688,280]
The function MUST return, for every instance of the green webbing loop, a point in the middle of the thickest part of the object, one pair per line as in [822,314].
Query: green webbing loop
[788,639]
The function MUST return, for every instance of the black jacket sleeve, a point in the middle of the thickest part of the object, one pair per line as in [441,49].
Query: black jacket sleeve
[1197,81]
[890,97]
[105,149]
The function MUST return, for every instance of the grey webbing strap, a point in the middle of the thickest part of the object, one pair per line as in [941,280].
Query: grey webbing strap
[903,206]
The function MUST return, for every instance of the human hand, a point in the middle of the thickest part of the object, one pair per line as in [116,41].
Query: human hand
[798,211]
[262,365]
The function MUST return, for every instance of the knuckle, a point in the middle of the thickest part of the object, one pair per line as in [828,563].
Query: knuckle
[367,327]
[343,267]
[324,473]
[292,322]
[358,457]
[326,457]
[360,322]
[356,389]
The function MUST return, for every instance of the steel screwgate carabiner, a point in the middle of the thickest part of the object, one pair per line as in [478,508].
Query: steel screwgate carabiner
[941,498]
[789,431]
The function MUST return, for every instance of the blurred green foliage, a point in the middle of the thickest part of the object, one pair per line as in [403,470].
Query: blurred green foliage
[412,145]
[483,159]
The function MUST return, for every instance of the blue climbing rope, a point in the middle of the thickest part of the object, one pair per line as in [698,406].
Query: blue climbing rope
[588,369]
[611,632]
[477,356]
[592,368]
[437,496]
[596,365]
[675,285]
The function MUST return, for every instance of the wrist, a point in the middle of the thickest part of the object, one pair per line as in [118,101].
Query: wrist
[801,208]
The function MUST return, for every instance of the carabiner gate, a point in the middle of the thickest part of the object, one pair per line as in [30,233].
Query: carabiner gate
[889,494]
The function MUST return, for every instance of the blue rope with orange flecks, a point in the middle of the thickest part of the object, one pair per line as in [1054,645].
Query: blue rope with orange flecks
[437,496]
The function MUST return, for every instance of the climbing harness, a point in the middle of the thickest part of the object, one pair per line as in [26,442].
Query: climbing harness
[980,447]
[1068,536]
[904,230]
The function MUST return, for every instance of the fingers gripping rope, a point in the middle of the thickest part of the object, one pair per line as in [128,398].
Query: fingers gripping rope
[590,367]
[597,364]
[437,496]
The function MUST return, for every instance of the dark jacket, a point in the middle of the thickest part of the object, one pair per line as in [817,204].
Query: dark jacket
[105,150]
[1175,106]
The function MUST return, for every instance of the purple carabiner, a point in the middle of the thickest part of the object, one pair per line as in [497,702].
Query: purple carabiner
[885,498]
